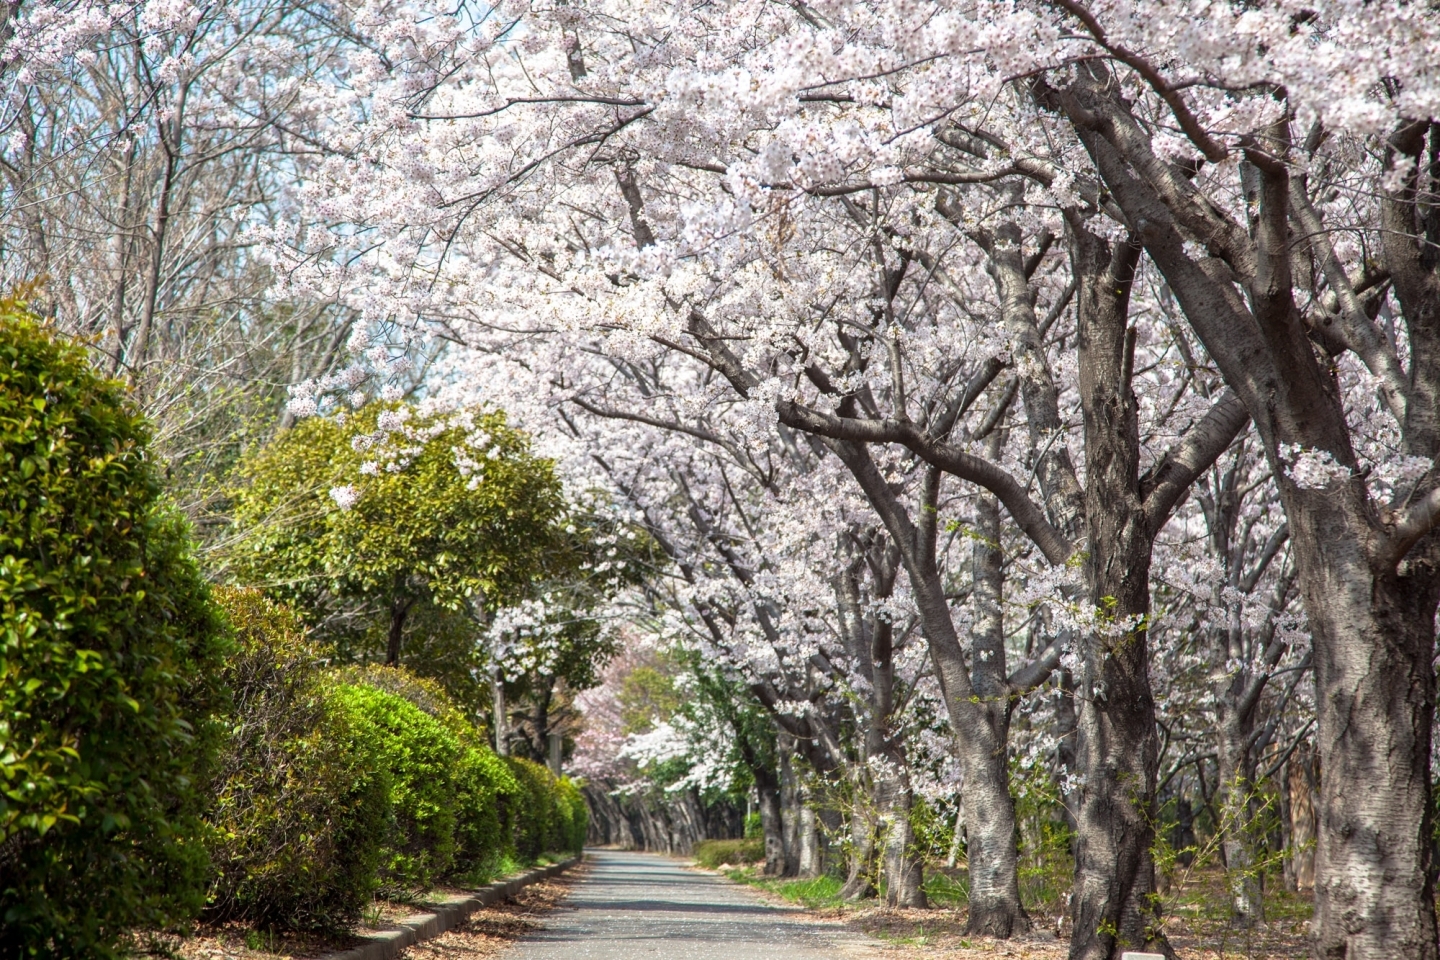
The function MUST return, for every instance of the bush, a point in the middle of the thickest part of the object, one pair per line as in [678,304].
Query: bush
[110,659]
[300,804]
[716,853]
[534,819]
[483,782]
[577,818]
[420,756]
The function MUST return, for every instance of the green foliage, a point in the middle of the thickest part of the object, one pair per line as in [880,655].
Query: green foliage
[648,696]
[574,816]
[419,754]
[534,816]
[946,888]
[109,664]
[300,807]
[484,783]
[814,893]
[1046,864]
[425,534]
[715,853]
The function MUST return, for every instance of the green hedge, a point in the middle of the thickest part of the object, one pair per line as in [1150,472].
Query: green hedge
[483,785]
[155,761]
[336,782]
[301,801]
[576,817]
[547,815]
[420,756]
[110,655]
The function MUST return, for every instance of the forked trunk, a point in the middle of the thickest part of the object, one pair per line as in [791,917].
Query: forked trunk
[1117,751]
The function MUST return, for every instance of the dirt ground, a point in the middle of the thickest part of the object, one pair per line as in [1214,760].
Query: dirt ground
[940,935]
[489,931]
[484,935]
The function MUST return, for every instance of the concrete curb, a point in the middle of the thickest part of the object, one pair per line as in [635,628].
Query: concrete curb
[445,915]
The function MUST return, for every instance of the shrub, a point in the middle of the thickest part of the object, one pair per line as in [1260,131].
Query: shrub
[716,853]
[534,819]
[483,782]
[300,804]
[109,664]
[577,819]
[421,756]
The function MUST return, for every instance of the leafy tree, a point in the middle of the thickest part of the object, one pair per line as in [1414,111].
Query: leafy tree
[374,516]
[109,658]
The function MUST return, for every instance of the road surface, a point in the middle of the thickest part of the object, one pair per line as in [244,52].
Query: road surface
[635,906]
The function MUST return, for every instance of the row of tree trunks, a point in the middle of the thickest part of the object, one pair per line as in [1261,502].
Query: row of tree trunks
[673,823]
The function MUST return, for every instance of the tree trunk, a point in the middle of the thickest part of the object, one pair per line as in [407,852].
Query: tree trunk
[957,838]
[399,610]
[767,785]
[789,804]
[860,879]
[1118,758]
[1374,642]
[979,720]
[812,860]
[1369,592]
[1301,783]
[894,801]
[1235,794]
[1117,751]
[502,732]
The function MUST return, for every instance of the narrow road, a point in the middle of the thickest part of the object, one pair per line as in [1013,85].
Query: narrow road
[632,906]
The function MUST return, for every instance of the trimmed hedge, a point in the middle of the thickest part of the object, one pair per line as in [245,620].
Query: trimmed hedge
[110,656]
[484,785]
[419,756]
[301,801]
[340,782]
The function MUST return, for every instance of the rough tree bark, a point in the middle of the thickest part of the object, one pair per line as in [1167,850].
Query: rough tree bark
[1117,750]
[767,787]
[1301,781]
[812,852]
[1367,572]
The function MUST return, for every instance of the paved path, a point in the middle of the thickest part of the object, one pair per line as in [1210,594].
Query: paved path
[634,906]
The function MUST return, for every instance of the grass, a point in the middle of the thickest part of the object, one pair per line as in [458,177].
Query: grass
[947,888]
[714,854]
[491,871]
[814,894]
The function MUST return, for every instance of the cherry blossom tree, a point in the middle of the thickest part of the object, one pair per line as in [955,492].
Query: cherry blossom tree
[818,285]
